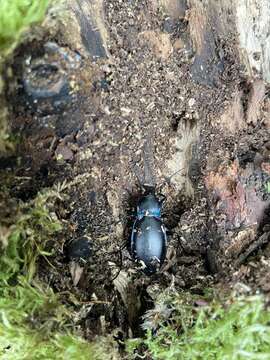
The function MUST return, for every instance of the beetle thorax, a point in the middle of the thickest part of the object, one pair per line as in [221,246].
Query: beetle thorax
[149,206]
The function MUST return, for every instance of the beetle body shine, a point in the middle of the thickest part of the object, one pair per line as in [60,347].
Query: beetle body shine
[148,238]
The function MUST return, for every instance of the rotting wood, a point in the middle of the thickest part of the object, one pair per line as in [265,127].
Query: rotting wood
[262,240]
[235,173]
[176,9]
[252,21]
[232,119]
[256,97]
[82,27]
[90,15]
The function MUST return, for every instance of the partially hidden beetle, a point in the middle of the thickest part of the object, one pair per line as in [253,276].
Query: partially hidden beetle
[148,241]
[148,237]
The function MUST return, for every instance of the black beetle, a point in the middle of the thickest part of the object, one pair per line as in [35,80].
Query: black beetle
[148,242]
[148,238]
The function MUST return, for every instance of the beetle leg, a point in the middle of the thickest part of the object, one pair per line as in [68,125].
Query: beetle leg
[162,198]
[164,230]
[169,232]
[132,236]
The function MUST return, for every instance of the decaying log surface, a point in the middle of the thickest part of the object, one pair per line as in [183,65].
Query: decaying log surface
[191,75]
[253,26]
[231,147]
[237,167]
[90,17]
[236,162]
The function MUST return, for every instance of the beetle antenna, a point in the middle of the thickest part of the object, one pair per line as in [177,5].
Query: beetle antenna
[138,174]
[175,173]
[168,178]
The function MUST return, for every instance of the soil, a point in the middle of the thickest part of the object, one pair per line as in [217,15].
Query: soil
[153,85]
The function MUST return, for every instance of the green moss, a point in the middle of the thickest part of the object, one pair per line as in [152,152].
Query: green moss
[15,17]
[25,240]
[5,143]
[34,324]
[234,330]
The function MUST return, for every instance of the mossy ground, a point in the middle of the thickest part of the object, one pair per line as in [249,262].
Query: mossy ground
[234,327]
[33,322]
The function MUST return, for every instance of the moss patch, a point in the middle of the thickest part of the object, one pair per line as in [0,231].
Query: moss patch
[33,322]
[15,17]
[190,328]
[26,239]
